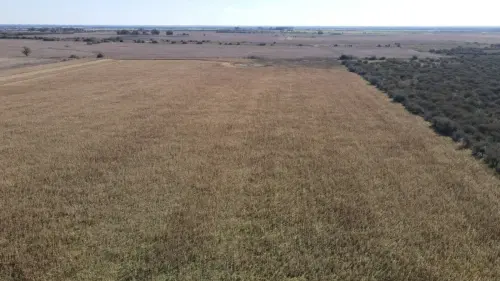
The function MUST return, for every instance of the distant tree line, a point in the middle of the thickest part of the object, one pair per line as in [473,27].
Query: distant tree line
[91,40]
[62,30]
[459,95]
[144,32]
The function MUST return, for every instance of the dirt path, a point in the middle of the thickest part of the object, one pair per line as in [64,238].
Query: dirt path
[46,71]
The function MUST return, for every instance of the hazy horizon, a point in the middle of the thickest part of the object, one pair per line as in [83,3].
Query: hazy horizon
[252,26]
[328,13]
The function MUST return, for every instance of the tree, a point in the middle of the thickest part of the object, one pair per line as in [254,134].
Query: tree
[320,32]
[345,57]
[170,32]
[26,51]
[123,32]
[155,32]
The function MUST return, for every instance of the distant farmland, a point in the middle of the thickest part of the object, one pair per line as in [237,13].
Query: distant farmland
[191,170]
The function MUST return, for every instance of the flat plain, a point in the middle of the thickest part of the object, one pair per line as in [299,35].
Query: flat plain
[210,170]
[242,45]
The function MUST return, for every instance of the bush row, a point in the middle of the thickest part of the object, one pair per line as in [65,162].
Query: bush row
[459,95]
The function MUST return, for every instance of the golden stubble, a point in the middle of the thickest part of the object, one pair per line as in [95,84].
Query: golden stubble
[190,170]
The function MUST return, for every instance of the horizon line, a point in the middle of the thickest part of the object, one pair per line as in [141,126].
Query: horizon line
[222,25]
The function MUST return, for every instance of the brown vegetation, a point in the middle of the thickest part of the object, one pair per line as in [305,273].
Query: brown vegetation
[185,170]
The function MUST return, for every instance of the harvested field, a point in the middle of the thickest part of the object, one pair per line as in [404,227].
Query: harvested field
[277,45]
[199,170]
[130,50]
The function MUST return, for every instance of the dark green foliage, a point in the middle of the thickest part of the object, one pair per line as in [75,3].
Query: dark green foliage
[123,32]
[155,32]
[399,98]
[374,81]
[444,126]
[459,95]
[170,32]
[346,57]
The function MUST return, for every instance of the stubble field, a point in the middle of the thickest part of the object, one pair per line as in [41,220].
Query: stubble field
[199,170]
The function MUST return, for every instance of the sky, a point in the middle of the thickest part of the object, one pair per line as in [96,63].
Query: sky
[253,12]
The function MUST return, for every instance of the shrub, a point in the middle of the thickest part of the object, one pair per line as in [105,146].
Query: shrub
[169,32]
[458,135]
[155,32]
[414,108]
[74,57]
[374,81]
[100,55]
[26,51]
[262,44]
[492,157]
[345,57]
[399,98]
[479,149]
[444,126]
[123,32]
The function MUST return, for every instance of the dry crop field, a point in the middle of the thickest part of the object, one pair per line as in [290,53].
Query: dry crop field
[202,170]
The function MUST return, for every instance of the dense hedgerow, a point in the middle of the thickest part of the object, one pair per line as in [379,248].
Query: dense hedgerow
[459,94]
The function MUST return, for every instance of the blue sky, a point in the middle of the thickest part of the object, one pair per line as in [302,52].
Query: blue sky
[253,12]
